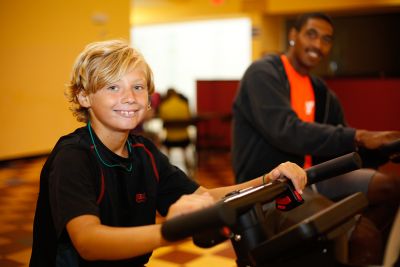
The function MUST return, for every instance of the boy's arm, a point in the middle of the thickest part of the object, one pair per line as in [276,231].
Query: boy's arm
[288,169]
[95,241]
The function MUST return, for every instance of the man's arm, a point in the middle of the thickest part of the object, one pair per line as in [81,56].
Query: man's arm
[271,114]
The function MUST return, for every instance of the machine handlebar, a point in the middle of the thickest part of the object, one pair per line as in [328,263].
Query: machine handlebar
[226,211]
[333,167]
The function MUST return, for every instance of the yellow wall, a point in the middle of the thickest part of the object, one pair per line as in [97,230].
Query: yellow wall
[163,11]
[39,42]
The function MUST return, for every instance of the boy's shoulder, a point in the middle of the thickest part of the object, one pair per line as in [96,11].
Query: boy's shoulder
[69,146]
[79,139]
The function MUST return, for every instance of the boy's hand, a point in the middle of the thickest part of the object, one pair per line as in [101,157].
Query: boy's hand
[190,203]
[292,171]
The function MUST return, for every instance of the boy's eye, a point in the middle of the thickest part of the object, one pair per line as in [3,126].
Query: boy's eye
[138,87]
[113,88]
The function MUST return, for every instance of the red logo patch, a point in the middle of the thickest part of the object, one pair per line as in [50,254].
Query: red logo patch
[141,197]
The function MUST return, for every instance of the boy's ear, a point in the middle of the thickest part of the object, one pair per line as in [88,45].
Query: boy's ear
[83,99]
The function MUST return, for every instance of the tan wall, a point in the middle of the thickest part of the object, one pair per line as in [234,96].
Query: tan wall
[39,42]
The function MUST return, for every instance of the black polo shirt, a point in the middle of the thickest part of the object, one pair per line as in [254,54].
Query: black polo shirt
[74,181]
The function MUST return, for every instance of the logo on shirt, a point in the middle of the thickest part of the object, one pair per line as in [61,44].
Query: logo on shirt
[309,107]
[140,197]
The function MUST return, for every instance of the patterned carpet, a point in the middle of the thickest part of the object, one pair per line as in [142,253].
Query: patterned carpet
[18,193]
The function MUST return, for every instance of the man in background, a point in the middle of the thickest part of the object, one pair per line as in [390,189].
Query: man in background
[284,113]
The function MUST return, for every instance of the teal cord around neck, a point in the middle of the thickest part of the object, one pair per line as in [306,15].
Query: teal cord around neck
[128,169]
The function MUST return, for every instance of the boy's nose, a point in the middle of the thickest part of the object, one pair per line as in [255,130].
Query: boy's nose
[128,96]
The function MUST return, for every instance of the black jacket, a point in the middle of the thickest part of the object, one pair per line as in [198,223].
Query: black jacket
[266,130]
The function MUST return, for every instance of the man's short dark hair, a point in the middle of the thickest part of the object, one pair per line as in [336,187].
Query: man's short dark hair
[302,19]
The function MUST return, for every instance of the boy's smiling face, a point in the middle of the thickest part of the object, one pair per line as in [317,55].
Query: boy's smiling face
[120,106]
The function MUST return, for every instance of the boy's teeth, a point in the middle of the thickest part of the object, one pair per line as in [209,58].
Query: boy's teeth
[127,113]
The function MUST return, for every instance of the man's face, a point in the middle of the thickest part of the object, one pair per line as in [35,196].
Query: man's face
[313,42]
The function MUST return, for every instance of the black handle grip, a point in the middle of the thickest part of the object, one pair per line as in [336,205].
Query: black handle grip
[186,225]
[334,167]
[391,151]
[391,148]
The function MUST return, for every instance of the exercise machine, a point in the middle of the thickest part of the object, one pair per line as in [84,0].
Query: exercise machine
[240,216]
[316,236]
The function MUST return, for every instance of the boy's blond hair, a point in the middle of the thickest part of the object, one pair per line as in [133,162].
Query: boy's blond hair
[101,64]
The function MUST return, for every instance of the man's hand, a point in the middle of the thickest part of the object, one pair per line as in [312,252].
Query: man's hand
[375,139]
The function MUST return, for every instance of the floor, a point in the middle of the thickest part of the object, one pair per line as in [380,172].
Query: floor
[18,193]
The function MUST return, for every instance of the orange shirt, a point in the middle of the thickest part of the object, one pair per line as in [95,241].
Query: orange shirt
[301,97]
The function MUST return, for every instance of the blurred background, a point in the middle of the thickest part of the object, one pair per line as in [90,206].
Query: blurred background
[199,47]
